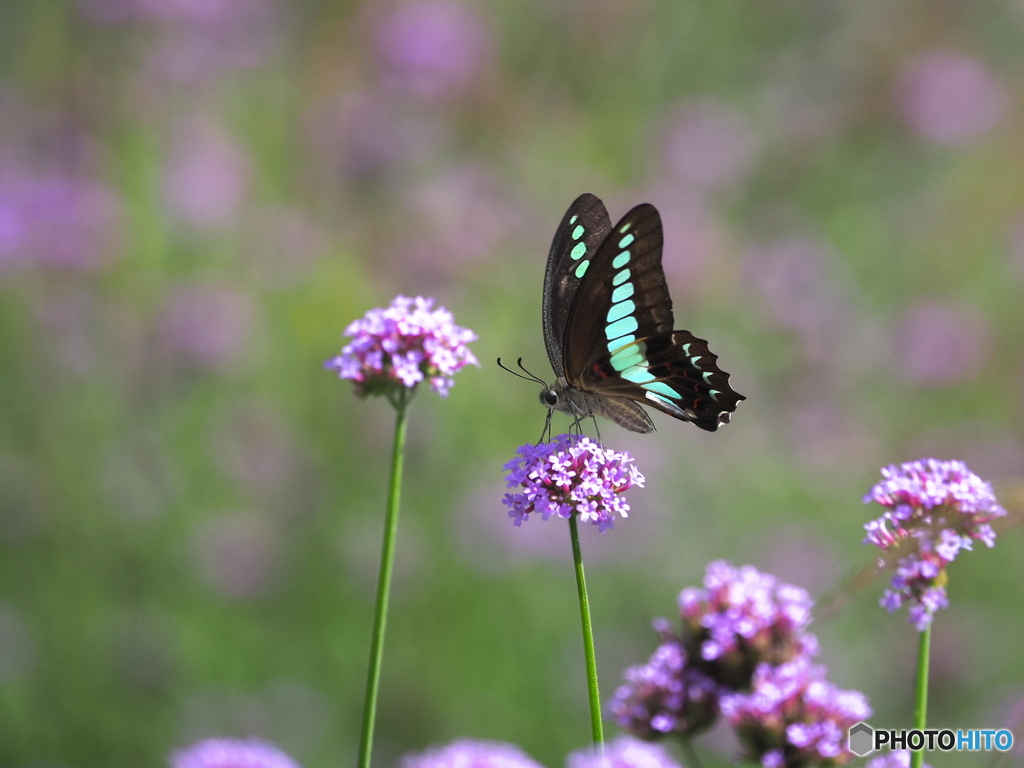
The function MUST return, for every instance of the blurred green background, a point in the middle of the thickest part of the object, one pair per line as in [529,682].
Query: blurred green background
[197,197]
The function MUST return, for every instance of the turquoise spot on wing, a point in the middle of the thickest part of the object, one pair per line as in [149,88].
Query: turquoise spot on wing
[626,241]
[661,388]
[625,227]
[621,309]
[620,343]
[573,219]
[621,327]
[622,277]
[686,348]
[622,293]
[713,394]
[627,357]
[578,251]
[707,377]
[578,232]
[693,360]
[581,268]
[638,374]
[621,260]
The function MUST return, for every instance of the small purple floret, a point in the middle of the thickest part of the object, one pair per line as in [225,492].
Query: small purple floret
[936,509]
[402,345]
[570,475]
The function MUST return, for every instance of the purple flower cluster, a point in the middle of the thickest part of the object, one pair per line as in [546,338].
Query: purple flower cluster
[743,617]
[793,716]
[571,475]
[471,754]
[666,695]
[623,752]
[934,509]
[402,345]
[231,753]
[743,651]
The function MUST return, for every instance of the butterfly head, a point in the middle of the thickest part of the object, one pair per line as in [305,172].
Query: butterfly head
[549,397]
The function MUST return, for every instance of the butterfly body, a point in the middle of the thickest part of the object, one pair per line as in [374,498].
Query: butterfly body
[608,327]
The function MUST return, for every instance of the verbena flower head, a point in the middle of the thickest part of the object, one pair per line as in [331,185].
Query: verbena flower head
[471,754]
[407,342]
[898,759]
[623,752]
[743,617]
[665,696]
[740,620]
[934,510]
[571,475]
[793,717]
[231,753]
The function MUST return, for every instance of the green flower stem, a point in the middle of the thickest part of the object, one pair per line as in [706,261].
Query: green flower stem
[387,563]
[596,728]
[921,691]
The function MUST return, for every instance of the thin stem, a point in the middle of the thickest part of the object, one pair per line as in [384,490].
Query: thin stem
[596,728]
[921,691]
[692,761]
[387,562]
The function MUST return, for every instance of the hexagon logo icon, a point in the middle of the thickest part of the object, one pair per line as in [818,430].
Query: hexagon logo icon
[861,739]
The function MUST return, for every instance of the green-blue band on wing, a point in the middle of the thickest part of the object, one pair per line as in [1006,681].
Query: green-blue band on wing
[622,293]
[621,309]
[621,327]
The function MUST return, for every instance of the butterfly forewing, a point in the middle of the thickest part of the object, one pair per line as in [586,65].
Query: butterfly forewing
[584,227]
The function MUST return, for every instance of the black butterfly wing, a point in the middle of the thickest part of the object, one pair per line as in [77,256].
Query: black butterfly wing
[619,338]
[577,239]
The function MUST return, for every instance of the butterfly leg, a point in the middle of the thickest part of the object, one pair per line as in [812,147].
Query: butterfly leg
[546,432]
[597,429]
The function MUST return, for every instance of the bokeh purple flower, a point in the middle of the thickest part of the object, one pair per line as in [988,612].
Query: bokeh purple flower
[209,326]
[935,509]
[939,345]
[206,176]
[623,752]
[950,99]
[709,146]
[231,753]
[665,696]
[433,49]
[571,475]
[898,759]
[794,717]
[739,621]
[470,754]
[741,618]
[407,342]
[52,221]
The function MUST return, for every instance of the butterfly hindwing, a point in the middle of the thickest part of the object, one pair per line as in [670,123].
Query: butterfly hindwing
[577,240]
[675,373]
[619,344]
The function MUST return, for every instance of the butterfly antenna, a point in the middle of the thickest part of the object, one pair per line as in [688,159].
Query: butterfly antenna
[514,373]
[532,375]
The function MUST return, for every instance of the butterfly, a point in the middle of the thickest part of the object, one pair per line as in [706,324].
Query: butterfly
[608,327]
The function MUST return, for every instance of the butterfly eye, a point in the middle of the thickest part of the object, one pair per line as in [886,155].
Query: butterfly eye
[549,397]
